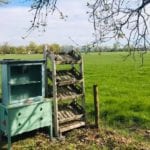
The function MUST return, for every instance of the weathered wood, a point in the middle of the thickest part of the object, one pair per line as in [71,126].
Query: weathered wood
[73,118]
[66,97]
[96,105]
[70,126]
[60,116]
[56,123]
[69,90]
[69,114]
[46,79]
[67,85]
[66,58]
[83,86]
[68,82]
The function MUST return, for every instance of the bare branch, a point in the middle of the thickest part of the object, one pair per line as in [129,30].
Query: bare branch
[3,2]
[41,9]
[121,19]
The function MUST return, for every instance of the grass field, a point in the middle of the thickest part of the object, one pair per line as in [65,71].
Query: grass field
[123,87]
[124,103]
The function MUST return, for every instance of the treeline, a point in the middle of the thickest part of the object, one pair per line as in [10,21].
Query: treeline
[32,48]
[114,48]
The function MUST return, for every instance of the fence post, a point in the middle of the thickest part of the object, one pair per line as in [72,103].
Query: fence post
[96,105]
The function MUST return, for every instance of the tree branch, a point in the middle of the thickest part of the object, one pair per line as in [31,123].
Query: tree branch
[41,9]
[121,19]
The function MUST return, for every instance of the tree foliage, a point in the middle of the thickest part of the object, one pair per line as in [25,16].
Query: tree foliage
[54,47]
[31,48]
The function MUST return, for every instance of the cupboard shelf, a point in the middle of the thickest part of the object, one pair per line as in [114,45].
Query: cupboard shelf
[22,80]
[23,83]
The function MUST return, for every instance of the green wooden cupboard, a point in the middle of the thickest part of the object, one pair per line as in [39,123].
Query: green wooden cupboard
[23,106]
[22,81]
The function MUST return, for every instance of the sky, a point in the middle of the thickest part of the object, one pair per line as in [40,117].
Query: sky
[15,21]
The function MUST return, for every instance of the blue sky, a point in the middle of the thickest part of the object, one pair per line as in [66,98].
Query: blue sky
[14,3]
[15,20]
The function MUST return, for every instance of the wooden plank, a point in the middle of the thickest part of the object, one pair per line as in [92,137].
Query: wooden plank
[60,116]
[67,127]
[83,85]
[56,123]
[73,118]
[68,82]
[69,97]
[96,105]
[69,114]
[63,114]
[68,62]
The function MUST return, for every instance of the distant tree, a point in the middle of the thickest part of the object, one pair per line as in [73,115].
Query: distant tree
[39,49]
[32,48]
[21,50]
[5,48]
[116,46]
[13,50]
[54,48]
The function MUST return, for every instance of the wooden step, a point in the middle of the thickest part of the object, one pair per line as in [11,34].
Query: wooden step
[68,82]
[66,59]
[66,97]
[71,112]
[68,115]
[69,91]
[68,62]
[70,126]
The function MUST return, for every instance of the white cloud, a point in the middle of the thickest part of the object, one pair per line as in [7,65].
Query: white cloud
[14,22]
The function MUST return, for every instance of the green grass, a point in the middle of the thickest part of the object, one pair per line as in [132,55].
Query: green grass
[124,87]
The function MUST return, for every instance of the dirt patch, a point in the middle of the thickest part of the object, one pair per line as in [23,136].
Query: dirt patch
[79,139]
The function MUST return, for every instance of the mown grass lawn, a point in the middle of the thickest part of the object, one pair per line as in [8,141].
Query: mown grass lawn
[124,87]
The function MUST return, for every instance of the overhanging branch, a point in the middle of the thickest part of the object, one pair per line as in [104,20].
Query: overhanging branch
[121,19]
